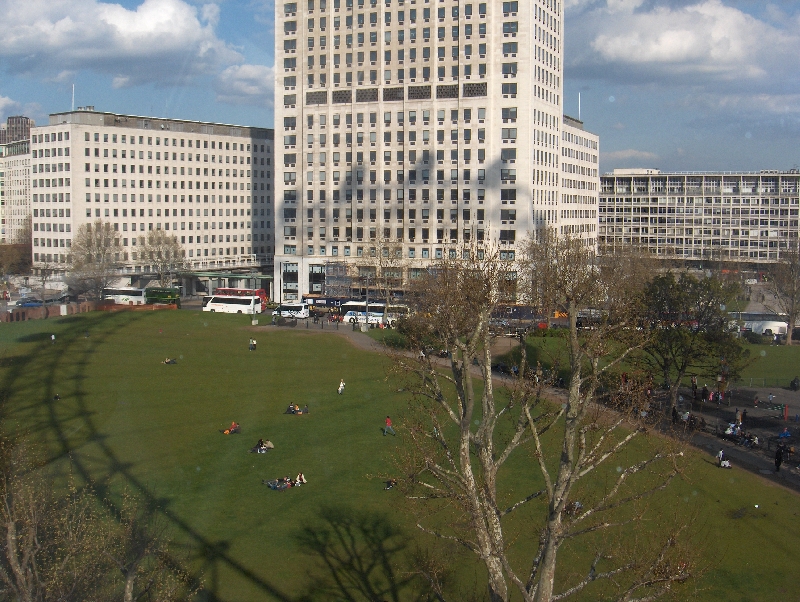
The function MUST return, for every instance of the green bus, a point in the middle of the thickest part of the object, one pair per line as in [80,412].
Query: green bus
[167,296]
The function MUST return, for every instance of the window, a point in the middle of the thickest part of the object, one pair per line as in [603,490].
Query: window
[509,68]
[510,27]
[509,48]
[510,7]
[510,113]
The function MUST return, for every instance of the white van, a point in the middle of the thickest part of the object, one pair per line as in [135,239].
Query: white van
[292,310]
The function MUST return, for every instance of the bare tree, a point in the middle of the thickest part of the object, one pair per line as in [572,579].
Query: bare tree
[51,548]
[164,254]
[784,284]
[138,546]
[463,433]
[94,258]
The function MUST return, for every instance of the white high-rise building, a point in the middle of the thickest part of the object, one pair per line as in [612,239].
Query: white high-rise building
[411,128]
[209,184]
[15,182]
[580,182]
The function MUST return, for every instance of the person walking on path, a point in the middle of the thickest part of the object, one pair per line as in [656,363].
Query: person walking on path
[778,458]
[340,390]
[388,428]
[771,398]
[250,347]
[755,401]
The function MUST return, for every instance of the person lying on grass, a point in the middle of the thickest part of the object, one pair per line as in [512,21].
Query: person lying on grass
[233,429]
[286,482]
[169,361]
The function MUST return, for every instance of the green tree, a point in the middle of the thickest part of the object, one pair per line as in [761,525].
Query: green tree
[689,329]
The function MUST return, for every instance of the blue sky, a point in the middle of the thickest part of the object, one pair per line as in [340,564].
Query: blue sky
[673,84]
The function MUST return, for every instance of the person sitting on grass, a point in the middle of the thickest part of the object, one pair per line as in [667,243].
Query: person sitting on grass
[300,480]
[262,447]
[390,484]
[305,409]
[290,409]
[233,429]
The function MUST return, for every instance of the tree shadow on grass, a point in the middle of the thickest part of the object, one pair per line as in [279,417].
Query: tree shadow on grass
[360,556]
[64,369]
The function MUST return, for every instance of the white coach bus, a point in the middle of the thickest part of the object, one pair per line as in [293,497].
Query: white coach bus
[233,305]
[124,296]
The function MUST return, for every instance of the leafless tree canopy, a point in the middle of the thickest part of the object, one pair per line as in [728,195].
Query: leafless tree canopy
[94,258]
[68,546]
[164,254]
[573,483]
[784,284]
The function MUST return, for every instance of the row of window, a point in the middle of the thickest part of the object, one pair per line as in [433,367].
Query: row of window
[215,144]
[123,183]
[241,160]
[237,173]
[50,152]
[48,167]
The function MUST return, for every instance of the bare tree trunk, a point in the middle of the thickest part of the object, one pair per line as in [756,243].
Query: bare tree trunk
[130,581]
[23,587]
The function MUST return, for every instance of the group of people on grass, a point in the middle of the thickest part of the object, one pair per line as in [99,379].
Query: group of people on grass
[295,409]
[286,482]
[262,447]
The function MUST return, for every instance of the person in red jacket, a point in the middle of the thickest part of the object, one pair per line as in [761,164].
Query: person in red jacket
[388,428]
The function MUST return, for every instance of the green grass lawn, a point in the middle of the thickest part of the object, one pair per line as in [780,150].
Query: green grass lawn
[125,420]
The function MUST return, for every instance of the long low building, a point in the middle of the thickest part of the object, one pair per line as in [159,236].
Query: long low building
[738,216]
[209,184]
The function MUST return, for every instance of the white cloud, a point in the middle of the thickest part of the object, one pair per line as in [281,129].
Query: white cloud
[707,39]
[629,154]
[8,106]
[161,41]
[246,84]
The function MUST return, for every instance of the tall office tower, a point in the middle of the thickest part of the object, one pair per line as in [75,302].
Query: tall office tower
[15,183]
[407,129]
[580,182]
[16,128]
[208,184]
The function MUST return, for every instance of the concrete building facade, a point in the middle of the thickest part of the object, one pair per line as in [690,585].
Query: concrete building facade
[580,182]
[15,182]
[208,184]
[732,216]
[413,128]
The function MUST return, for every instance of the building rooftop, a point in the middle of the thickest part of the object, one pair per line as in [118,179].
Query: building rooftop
[642,171]
[88,116]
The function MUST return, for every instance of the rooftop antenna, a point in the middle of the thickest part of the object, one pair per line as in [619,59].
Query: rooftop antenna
[579,106]
[73,97]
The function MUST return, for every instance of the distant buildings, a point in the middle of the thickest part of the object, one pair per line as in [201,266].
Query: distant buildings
[16,128]
[208,184]
[737,216]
